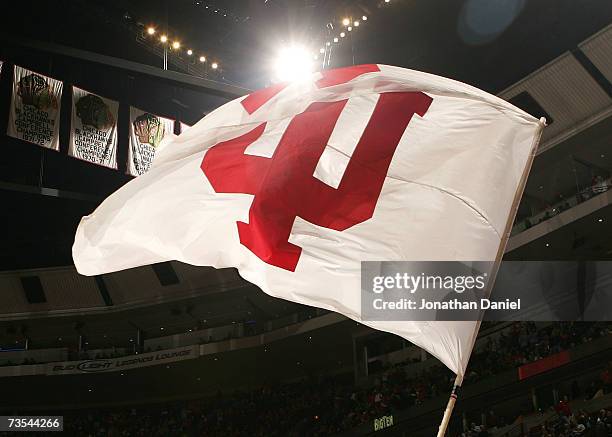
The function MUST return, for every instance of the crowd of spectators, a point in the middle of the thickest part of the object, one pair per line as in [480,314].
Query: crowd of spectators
[564,422]
[327,407]
[583,424]
[523,343]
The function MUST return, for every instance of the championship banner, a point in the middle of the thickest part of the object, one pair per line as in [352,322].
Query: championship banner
[123,363]
[35,108]
[146,134]
[93,133]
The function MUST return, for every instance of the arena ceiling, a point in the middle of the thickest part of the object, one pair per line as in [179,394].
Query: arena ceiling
[487,44]
[450,38]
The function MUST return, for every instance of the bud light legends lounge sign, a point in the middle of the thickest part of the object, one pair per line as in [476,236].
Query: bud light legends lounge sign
[123,363]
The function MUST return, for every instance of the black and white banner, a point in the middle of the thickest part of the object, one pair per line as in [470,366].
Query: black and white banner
[35,108]
[146,134]
[123,363]
[93,133]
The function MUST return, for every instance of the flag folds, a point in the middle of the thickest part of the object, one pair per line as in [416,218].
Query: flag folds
[296,184]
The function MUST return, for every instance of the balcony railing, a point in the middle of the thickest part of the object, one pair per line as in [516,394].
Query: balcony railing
[599,186]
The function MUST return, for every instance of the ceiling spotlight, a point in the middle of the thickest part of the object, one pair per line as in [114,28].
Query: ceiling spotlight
[356,24]
[176,44]
[163,38]
[364,18]
[190,52]
[336,39]
[293,63]
[600,220]
[321,50]
[327,43]
[387,1]
[214,65]
[346,22]
[349,28]
[151,30]
[202,58]
[342,34]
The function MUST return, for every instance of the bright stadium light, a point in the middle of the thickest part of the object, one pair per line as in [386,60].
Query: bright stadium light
[349,28]
[346,22]
[292,64]
[214,65]
[190,52]
[163,38]
[336,39]
[321,50]
[356,24]
[176,44]
[342,34]
[202,58]
[364,18]
[151,30]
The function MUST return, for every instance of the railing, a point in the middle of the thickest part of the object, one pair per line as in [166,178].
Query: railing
[516,430]
[599,187]
[203,336]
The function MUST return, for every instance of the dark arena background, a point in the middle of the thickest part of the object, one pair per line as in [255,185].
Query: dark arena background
[176,350]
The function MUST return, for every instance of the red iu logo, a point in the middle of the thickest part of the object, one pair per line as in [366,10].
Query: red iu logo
[284,186]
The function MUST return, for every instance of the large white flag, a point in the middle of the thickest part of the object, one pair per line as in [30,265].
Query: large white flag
[295,184]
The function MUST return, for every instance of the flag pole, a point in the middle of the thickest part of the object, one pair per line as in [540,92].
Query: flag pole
[502,247]
[449,407]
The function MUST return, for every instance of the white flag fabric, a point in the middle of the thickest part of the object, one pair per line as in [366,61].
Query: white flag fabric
[184,127]
[295,184]
[147,132]
[93,132]
[35,108]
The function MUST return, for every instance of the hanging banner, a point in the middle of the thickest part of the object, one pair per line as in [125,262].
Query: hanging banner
[93,133]
[35,108]
[146,134]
